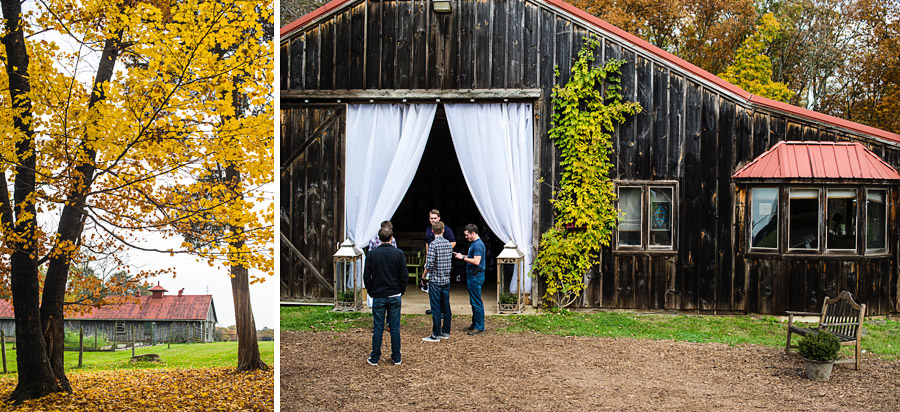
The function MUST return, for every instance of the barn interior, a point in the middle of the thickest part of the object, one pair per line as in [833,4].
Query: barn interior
[439,184]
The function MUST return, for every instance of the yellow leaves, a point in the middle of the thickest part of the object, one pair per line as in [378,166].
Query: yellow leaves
[206,389]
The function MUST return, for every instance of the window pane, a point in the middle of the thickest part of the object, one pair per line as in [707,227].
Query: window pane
[804,219]
[629,216]
[661,216]
[841,227]
[764,217]
[876,223]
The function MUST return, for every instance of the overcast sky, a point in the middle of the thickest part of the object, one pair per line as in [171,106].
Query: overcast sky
[197,277]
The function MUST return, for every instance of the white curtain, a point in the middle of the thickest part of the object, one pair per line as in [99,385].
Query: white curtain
[385,143]
[495,144]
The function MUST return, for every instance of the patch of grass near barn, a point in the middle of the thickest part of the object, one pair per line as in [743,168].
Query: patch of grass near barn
[722,329]
[180,356]
[880,336]
[322,319]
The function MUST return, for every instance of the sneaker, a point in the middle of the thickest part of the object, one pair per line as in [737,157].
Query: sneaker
[372,362]
[424,290]
[447,336]
[398,362]
[475,331]
[468,328]
[431,338]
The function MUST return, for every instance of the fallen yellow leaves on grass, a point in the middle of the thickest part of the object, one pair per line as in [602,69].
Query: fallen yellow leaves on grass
[211,389]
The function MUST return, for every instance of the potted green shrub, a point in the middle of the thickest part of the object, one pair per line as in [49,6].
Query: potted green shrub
[508,301]
[345,300]
[820,350]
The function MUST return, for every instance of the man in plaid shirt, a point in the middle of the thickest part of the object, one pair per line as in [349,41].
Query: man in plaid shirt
[437,271]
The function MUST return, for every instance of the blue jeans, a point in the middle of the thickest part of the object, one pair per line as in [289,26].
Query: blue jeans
[474,283]
[439,297]
[379,307]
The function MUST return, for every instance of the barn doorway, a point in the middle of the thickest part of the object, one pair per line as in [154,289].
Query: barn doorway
[439,184]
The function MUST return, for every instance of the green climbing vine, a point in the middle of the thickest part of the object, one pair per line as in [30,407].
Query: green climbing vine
[584,116]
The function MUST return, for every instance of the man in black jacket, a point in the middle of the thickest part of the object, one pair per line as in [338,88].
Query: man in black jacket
[385,276]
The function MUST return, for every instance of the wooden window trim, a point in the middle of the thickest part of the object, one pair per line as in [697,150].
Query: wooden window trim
[860,251]
[645,247]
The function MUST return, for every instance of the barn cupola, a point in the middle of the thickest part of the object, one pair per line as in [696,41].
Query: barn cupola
[157,291]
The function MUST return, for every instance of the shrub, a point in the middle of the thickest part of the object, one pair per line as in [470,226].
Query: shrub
[507,298]
[345,296]
[821,346]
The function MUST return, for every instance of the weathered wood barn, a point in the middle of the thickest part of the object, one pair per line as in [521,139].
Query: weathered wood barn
[718,216]
[181,318]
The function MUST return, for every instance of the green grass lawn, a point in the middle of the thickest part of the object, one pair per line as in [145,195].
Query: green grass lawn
[188,355]
[881,337]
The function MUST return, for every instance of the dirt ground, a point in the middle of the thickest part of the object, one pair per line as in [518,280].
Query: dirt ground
[536,372]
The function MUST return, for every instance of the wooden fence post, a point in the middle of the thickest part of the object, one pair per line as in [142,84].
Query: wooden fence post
[95,339]
[132,341]
[80,345]
[3,346]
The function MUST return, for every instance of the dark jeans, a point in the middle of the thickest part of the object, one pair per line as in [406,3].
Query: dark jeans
[380,306]
[439,297]
[474,283]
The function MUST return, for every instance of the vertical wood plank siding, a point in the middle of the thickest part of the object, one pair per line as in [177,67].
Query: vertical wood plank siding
[312,193]
[688,132]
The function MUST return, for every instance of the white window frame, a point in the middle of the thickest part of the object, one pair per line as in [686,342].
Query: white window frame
[825,222]
[820,212]
[865,236]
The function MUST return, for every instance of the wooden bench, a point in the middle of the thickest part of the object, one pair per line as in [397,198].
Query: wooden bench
[841,316]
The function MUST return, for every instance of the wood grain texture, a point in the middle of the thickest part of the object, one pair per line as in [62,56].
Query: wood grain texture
[496,50]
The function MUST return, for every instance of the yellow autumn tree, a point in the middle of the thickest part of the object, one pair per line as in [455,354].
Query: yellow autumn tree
[752,68]
[114,115]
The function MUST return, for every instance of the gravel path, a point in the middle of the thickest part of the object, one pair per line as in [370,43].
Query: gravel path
[536,372]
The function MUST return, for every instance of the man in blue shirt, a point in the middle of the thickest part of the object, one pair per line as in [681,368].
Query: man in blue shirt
[435,216]
[475,263]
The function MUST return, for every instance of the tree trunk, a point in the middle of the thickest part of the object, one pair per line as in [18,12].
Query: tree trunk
[248,347]
[71,225]
[36,377]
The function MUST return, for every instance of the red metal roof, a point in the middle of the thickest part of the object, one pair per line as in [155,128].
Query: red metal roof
[563,7]
[818,160]
[185,307]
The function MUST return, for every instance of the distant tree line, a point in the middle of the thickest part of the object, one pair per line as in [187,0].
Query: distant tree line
[294,9]
[839,57]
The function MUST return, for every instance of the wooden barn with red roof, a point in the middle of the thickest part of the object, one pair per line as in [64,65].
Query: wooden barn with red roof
[181,318]
[733,202]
